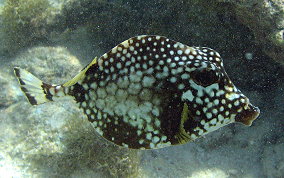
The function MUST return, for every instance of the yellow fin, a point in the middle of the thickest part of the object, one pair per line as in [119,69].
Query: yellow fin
[81,75]
[182,136]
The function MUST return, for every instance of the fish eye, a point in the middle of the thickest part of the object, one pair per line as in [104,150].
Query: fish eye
[205,76]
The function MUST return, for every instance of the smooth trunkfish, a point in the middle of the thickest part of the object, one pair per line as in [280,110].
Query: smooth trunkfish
[150,92]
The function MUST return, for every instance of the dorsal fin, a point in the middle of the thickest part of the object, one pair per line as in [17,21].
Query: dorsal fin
[81,74]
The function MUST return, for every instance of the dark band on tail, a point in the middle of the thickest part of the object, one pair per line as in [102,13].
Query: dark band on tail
[17,73]
[30,98]
[46,90]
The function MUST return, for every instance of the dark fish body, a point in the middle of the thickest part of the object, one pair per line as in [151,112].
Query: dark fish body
[150,92]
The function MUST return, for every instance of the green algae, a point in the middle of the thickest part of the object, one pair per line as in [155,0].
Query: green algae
[24,22]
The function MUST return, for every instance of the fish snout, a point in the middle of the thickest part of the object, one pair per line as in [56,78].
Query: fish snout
[248,115]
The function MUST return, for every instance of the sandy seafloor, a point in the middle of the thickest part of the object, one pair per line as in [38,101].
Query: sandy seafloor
[232,151]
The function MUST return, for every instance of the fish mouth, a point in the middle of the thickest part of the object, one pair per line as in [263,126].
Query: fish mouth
[248,115]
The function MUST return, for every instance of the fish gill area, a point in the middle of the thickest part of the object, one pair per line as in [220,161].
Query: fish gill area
[55,39]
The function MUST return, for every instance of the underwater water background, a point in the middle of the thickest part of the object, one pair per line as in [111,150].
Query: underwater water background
[54,39]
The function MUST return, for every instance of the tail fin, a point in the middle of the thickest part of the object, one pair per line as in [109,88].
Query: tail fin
[39,92]
[35,90]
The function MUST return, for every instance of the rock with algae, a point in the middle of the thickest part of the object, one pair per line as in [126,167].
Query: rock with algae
[9,93]
[266,20]
[55,139]
[51,64]
[50,141]
[24,22]
[191,22]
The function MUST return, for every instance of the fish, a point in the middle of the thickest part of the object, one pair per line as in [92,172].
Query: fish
[150,92]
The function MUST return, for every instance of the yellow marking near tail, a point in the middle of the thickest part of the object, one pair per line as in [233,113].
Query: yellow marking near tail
[81,75]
